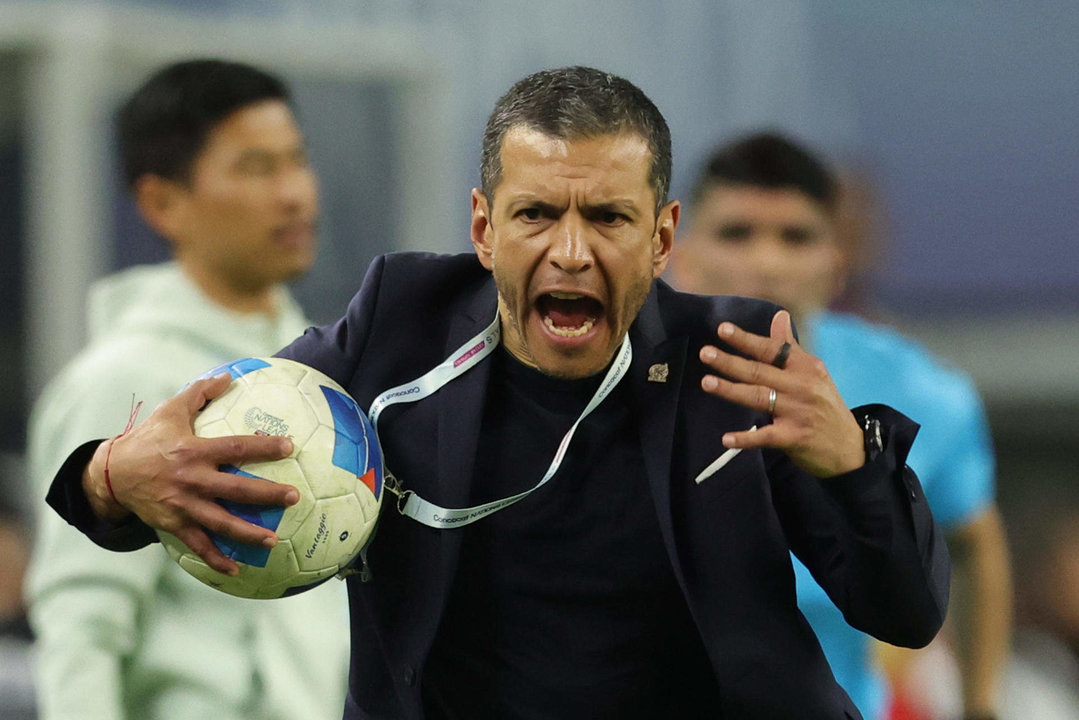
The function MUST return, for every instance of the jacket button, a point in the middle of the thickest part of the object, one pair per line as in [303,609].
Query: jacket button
[409,676]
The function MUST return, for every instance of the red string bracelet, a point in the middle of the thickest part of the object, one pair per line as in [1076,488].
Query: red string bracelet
[135,407]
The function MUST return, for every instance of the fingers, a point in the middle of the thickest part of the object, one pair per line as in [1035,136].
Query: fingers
[193,500]
[758,347]
[744,393]
[758,373]
[200,543]
[238,449]
[197,394]
[215,518]
[782,329]
[191,519]
[252,490]
[754,437]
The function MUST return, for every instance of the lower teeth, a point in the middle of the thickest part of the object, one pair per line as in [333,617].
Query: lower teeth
[568,332]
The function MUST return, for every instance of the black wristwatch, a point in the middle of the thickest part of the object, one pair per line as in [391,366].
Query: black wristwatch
[874,442]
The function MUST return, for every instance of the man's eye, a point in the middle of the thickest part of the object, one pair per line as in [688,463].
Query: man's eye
[257,166]
[798,236]
[611,218]
[531,214]
[734,233]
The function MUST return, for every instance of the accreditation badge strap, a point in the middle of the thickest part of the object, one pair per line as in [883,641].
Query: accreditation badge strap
[460,361]
[465,357]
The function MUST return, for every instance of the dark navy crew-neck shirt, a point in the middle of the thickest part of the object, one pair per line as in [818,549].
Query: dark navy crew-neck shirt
[564,604]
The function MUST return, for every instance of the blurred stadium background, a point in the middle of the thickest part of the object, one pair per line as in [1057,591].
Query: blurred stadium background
[959,116]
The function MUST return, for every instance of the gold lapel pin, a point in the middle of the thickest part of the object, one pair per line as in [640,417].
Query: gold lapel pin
[658,373]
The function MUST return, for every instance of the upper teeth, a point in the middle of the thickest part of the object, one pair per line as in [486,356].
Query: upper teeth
[559,295]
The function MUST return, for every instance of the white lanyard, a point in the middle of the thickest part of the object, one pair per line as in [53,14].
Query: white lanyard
[464,358]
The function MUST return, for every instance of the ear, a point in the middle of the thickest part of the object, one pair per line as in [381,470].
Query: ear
[481,229]
[841,273]
[681,265]
[663,239]
[160,202]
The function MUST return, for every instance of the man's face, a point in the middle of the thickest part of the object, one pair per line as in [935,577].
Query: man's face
[574,242]
[246,219]
[773,244]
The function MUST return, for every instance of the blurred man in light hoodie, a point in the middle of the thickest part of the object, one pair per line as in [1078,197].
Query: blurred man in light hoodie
[217,166]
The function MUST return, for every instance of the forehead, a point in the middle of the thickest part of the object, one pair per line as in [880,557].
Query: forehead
[267,124]
[760,204]
[534,161]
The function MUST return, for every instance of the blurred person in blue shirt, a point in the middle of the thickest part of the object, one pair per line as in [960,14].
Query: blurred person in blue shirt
[764,222]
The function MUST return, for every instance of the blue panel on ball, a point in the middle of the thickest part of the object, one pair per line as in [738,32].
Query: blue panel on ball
[235,368]
[348,426]
[267,516]
[242,367]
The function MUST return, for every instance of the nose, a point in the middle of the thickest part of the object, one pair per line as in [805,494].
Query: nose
[570,250]
[769,257]
[296,186]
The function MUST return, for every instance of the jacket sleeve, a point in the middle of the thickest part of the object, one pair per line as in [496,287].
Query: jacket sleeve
[335,349]
[65,496]
[869,539]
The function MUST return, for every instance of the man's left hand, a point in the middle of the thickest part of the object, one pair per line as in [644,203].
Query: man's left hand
[810,421]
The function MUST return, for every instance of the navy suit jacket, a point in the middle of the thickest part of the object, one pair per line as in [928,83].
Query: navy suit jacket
[867,536]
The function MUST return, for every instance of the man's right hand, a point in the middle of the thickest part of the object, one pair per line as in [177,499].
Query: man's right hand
[169,478]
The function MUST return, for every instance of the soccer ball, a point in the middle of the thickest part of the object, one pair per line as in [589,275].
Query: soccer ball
[336,465]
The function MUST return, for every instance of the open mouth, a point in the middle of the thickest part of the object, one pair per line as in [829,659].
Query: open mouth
[568,314]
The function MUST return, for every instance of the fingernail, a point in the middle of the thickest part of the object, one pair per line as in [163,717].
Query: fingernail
[233,571]
[221,375]
[709,382]
[292,497]
[270,541]
[728,441]
[286,446]
[726,329]
[708,353]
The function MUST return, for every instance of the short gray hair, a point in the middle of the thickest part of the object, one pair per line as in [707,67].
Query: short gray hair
[577,102]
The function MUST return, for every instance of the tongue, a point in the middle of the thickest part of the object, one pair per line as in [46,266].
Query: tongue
[569,313]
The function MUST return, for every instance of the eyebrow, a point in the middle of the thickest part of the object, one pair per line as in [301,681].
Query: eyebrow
[621,206]
[548,209]
[263,151]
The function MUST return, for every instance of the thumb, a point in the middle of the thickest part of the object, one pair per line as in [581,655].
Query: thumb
[200,392]
[782,329]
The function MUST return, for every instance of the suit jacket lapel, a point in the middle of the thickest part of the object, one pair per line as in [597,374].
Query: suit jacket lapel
[460,405]
[656,404]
